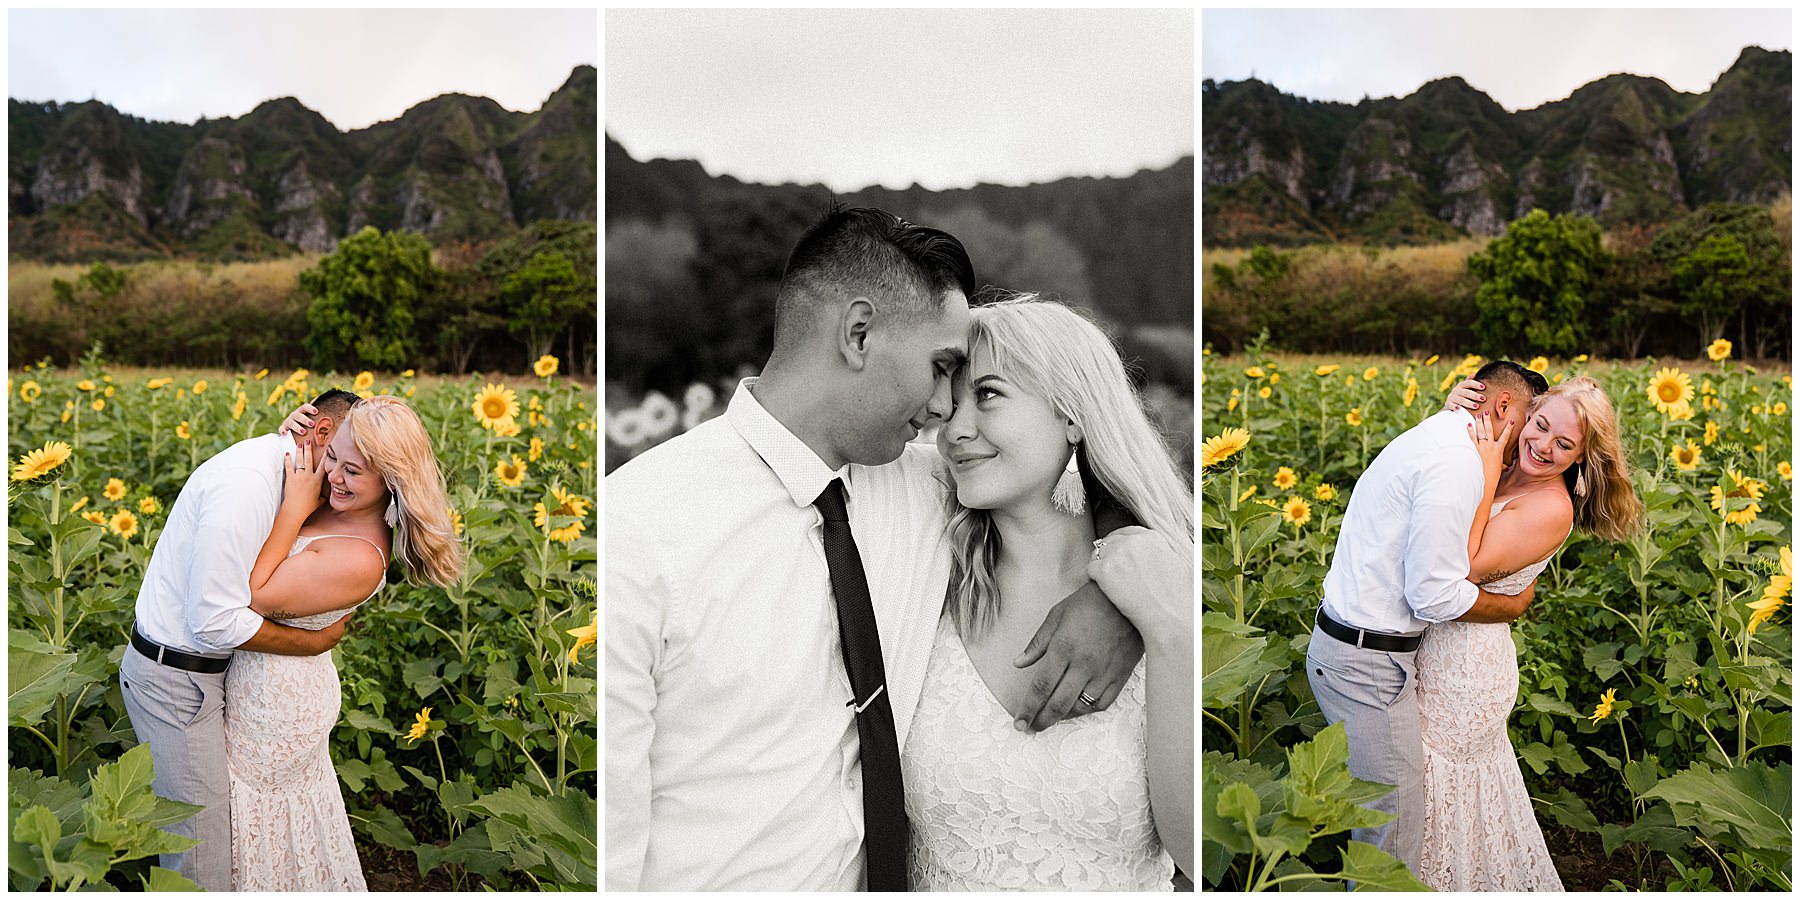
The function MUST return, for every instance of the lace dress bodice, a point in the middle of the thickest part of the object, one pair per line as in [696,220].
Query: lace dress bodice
[1480,830]
[289,830]
[993,808]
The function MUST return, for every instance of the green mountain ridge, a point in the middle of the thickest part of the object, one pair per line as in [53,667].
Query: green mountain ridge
[1447,161]
[87,182]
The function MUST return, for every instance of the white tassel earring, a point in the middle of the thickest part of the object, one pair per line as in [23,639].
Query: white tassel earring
[1068,495]
[1581,481]
[393,510]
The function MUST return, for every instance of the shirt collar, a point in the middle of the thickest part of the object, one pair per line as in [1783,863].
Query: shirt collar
[801,470]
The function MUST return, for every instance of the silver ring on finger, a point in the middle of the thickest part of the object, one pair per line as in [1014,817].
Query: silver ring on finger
[1099,545]
[1091,701]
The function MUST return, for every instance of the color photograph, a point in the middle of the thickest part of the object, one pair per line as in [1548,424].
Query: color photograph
[302,427]
[1496,461]
[899,450]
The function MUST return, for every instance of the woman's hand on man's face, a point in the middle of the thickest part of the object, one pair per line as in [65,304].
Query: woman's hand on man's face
[304,484]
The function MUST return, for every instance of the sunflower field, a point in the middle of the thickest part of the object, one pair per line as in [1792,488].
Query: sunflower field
[466,749]
[1654,717]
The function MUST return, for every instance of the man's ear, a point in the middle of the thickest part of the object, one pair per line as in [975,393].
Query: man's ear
[853,332]
[1502,403]
[323,429]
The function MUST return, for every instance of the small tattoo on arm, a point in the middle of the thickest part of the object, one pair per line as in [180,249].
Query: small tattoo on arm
[1496,575]
[278,615]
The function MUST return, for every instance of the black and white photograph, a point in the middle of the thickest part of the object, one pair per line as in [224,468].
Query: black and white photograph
[899,395]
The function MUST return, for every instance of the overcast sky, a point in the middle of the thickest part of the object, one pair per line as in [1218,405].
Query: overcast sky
[941,97]
[354,67]
[1521,58]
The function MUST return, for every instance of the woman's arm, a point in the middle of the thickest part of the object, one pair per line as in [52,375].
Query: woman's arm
[283,587]
[1492,449]
[1151,579]
[1527,530]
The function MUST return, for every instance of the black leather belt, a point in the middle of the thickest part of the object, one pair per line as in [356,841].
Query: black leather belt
[1368,640]
[175,659]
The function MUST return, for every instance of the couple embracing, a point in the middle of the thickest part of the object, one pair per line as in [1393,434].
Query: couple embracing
[839,660]
[270,546]
[1442,542]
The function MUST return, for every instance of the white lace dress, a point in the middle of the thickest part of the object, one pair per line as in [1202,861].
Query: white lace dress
[1480,831]
[289,831]
[997,809]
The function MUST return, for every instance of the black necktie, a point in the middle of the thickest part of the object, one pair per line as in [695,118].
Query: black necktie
[884,803]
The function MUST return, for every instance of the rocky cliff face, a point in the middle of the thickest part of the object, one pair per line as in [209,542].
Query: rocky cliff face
[453,168]
[1624,149]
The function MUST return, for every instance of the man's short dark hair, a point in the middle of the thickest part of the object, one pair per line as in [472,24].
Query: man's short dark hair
[335,403]
[1504,373]
[867,251]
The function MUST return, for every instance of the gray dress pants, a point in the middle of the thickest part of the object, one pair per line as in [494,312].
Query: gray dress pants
[1374,693]
[181,715]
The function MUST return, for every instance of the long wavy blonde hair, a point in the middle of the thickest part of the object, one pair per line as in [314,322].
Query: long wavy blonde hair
[1611,509]
[1055,352]
[390,436]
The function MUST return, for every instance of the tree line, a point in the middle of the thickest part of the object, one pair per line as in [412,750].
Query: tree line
[1551,285]
[380,300]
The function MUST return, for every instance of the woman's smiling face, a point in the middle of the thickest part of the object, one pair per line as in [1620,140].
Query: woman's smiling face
[350,482]
[1005,445]
[1551,440]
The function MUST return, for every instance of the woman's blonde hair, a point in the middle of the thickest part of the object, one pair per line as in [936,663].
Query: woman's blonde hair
[1055,352]
[390,436]
[1610,510]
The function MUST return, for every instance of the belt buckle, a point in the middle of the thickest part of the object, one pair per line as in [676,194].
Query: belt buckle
[1359,638]
[160,650]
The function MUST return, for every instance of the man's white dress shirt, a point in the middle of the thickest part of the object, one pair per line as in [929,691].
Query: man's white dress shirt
[1402,559]
[196,592]
[732,759]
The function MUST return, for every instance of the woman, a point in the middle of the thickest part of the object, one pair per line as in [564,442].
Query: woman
[1570,472]
[1103,801]
[375,489]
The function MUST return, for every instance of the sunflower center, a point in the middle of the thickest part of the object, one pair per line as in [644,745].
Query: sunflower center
[1668,392]
[494,407]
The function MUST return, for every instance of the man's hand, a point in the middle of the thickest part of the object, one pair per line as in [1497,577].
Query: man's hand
[1085,645]
[286,640]
[1491,608]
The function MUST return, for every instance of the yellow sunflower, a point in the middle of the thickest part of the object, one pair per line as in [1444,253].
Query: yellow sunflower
[1285,478]
[1433,359]
[29,392]
[1538,364]
[568,504]
[1711,434]
[1785,470]
[511,473]
[1354,416]
[147,506]
[1686,458]
[1253,372]
[1264,393]
[421,724]
[585,636]
[1297,512]
[182,431]
[535,450]
[1223,446]
[157,384]
[263,374]
[364,380]
[1670,388]
[495,402]
[507,427]
[456,521]
[1742,488]
[95,516]
[37,463]
[1323,371]
[114,491]
[1684,411]
[1718,350]
[237,409]
[1775,595]
[99,403]
[124,524]
[1370,373]
[200,386]
[1325,492]
[1412,392]
[85,385]
[1605,707]
[545,366]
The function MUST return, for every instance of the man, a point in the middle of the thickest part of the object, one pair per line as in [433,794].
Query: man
[192,612]
[1402,563]
[774,579]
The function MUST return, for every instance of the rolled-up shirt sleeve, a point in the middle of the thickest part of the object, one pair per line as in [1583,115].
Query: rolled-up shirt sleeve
[636,611]
[1446,492]
[234,520]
